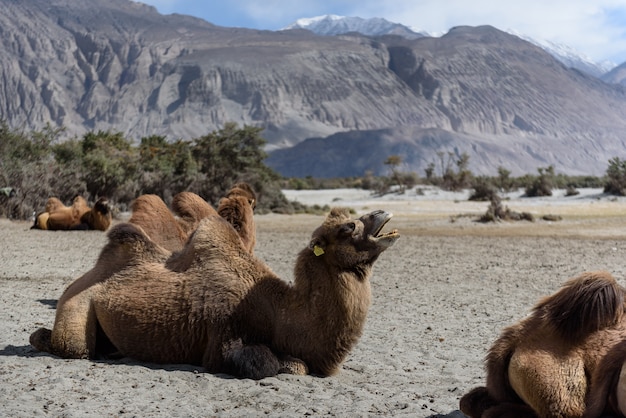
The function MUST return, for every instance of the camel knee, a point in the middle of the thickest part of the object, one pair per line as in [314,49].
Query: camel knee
[41,340]
[476,402]
[251,361]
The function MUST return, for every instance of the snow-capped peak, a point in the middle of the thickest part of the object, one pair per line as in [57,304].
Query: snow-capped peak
[568,55]
[336,25]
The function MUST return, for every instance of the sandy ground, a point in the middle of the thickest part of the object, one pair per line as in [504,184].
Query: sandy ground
[441,295]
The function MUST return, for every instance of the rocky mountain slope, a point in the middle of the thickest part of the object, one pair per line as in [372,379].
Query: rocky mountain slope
[119,65]
[330,25]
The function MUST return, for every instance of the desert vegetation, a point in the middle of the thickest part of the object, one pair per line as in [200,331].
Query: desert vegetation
[37,165]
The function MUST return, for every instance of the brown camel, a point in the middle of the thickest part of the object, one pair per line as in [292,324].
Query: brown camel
[218,306]
[57,216]
[541,366]
[171,232]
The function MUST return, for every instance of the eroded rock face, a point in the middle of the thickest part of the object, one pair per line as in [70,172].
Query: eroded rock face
[120,66]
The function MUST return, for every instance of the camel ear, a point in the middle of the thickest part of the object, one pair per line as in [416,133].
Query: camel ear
[317,245]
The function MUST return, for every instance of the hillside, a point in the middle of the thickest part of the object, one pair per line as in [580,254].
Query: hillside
[121,66]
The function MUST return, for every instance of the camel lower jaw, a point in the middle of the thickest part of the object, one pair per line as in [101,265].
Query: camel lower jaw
[385,240]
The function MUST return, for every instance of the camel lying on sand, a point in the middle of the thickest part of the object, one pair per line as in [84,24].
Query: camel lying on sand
[57,216]
[216,305]
[564,360]
[171,230]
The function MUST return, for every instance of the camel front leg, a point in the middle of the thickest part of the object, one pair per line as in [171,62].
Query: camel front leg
[292,365]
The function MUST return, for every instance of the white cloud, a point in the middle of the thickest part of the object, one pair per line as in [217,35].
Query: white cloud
[596,28]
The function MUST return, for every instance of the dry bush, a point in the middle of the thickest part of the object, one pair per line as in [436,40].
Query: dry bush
[498,212]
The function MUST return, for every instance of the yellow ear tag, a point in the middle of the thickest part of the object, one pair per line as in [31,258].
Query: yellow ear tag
[317,250]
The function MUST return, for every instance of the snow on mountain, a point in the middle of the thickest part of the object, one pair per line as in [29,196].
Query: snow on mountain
[569,56]
[336,25]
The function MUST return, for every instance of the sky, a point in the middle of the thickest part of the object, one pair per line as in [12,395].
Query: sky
[594,28]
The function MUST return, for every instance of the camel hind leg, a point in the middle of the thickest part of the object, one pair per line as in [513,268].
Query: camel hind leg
[74,332]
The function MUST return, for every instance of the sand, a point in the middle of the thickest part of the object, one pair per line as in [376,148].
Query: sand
[441,295]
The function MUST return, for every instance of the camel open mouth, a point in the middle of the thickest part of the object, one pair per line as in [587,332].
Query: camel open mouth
[387,238]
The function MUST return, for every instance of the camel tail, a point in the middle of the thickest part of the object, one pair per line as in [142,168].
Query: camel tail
[584,305]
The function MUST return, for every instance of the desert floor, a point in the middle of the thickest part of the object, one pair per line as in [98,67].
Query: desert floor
[441,295]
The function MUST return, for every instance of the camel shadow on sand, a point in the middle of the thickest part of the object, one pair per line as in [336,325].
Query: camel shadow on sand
[28,351]
[51,303]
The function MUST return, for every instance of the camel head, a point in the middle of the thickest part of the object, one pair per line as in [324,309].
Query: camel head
[100,217]
[352,243]
[102,206]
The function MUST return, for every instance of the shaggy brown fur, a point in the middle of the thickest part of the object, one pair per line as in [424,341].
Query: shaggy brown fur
[152,215]
[238,209]
[57,216]
[190,209]
[540,367]
[218,306]
[607,394]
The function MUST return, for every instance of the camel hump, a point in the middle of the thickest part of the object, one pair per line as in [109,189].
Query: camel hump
[190,206]
[53,204]
[135,243]
[215,234]
[243,190]
[584,305]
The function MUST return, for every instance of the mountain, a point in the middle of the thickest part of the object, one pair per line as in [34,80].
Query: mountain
[617,75]
[119,65]
[507,102]
[571,58]
[330,25]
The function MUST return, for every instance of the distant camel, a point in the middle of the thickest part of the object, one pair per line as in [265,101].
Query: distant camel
[171,230]
[57,216]
[548,364]
[218,306]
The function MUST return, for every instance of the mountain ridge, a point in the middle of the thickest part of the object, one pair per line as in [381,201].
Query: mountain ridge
[331,25]
[119,65]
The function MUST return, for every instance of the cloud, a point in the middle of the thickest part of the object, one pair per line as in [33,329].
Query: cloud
[596,28]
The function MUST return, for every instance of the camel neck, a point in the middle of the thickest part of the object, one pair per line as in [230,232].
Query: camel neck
[326,313]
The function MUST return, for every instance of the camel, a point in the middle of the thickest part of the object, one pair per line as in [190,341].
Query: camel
[216,305]
[171,230]
[57,216]
[238,209]
[549,364]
